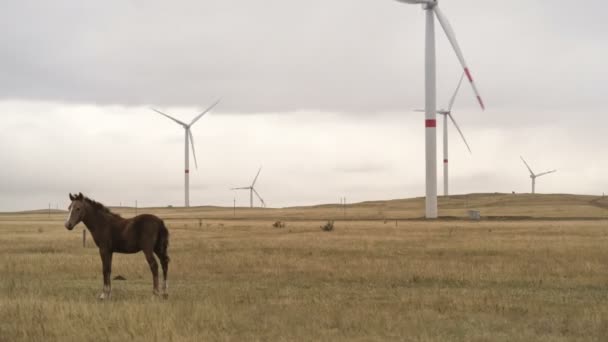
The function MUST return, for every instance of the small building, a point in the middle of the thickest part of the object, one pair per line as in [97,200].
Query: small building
[474,215]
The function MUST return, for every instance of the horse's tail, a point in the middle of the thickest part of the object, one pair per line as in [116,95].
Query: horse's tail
[162,242]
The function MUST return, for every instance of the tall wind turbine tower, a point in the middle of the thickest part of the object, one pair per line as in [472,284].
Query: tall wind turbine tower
[448,113]
[533,176]
[189,141]
[432,9]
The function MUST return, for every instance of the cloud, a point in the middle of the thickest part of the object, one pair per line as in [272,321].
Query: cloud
[342,56]
[306,157]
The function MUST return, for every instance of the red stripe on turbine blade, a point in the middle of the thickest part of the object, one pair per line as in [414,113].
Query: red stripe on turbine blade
[481,102]
[468,73]
[430,123]
[445,161]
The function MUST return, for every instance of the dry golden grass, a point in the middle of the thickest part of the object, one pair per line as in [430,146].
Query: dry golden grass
[241,279]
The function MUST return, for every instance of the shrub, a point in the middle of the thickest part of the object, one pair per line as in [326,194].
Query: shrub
[279,224]
[328,227]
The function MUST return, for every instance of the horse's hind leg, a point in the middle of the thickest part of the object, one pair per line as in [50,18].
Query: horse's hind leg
[154,268]
[162,244]
[164,262]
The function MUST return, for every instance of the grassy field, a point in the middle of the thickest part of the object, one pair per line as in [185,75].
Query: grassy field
[534,270]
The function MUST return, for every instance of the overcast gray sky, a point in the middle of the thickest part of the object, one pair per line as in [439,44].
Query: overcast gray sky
[319,93]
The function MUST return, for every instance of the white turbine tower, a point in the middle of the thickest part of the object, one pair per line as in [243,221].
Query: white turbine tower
[190,139]
[252,191]
[430,108]
[448,113]
[533,176]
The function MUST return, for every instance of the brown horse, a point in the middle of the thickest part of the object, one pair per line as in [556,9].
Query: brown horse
[113,233]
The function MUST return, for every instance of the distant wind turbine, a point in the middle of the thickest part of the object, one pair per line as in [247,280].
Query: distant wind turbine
[190,139]
[448,113]
[533,176]
[252,191]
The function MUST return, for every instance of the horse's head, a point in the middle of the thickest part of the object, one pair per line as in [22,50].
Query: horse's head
[77,211]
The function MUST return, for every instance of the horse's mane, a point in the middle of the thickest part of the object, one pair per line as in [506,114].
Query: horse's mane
[100,207]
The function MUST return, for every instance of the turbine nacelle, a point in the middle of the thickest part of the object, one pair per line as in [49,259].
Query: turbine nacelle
[416,2]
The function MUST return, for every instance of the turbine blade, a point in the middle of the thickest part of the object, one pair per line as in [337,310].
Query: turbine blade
[459,131]
[259,197]
[455,93]
[170,117]
[452,38]
[244,188]
[205,112]
[256,177]
[545,173]
[528,166]
[192,144]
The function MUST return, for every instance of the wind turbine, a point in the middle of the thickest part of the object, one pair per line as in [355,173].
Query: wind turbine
[448,113]
[189,138]
[252,190]
[533,176]
[430,108]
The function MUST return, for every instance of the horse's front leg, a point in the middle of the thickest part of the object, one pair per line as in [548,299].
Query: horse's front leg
[106,261]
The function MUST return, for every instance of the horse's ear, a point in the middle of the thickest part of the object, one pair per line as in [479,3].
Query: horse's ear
[80,196]
[72,197]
